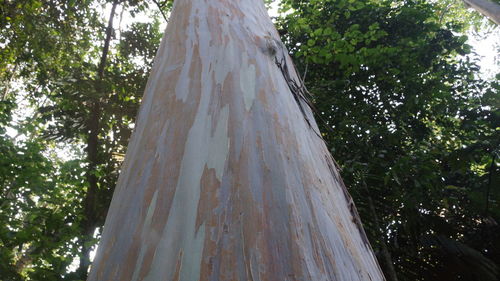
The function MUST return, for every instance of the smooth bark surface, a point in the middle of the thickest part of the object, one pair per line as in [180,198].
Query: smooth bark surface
[226,176]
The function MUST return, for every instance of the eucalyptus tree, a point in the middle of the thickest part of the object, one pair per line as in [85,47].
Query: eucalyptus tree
[227,176]
[413,129]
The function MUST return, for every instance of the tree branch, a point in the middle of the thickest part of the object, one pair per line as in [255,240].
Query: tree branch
[161,11]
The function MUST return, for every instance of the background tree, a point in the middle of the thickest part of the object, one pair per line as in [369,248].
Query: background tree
[48,62]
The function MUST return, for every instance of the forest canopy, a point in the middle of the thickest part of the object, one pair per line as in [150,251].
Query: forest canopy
[398,91]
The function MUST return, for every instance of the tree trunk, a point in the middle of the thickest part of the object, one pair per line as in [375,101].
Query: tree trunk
[487,8]
[90,211]
[226,176]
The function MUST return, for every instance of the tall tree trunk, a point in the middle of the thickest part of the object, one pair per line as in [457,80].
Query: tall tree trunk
[226,176]
[90,211]
[487,8]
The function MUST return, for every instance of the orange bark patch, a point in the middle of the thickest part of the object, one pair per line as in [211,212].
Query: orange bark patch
[178,267]
[208,196]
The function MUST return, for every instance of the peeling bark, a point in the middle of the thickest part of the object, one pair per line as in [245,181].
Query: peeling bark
[226,177]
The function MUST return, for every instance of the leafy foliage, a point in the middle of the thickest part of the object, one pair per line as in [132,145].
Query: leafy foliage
[50,214]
